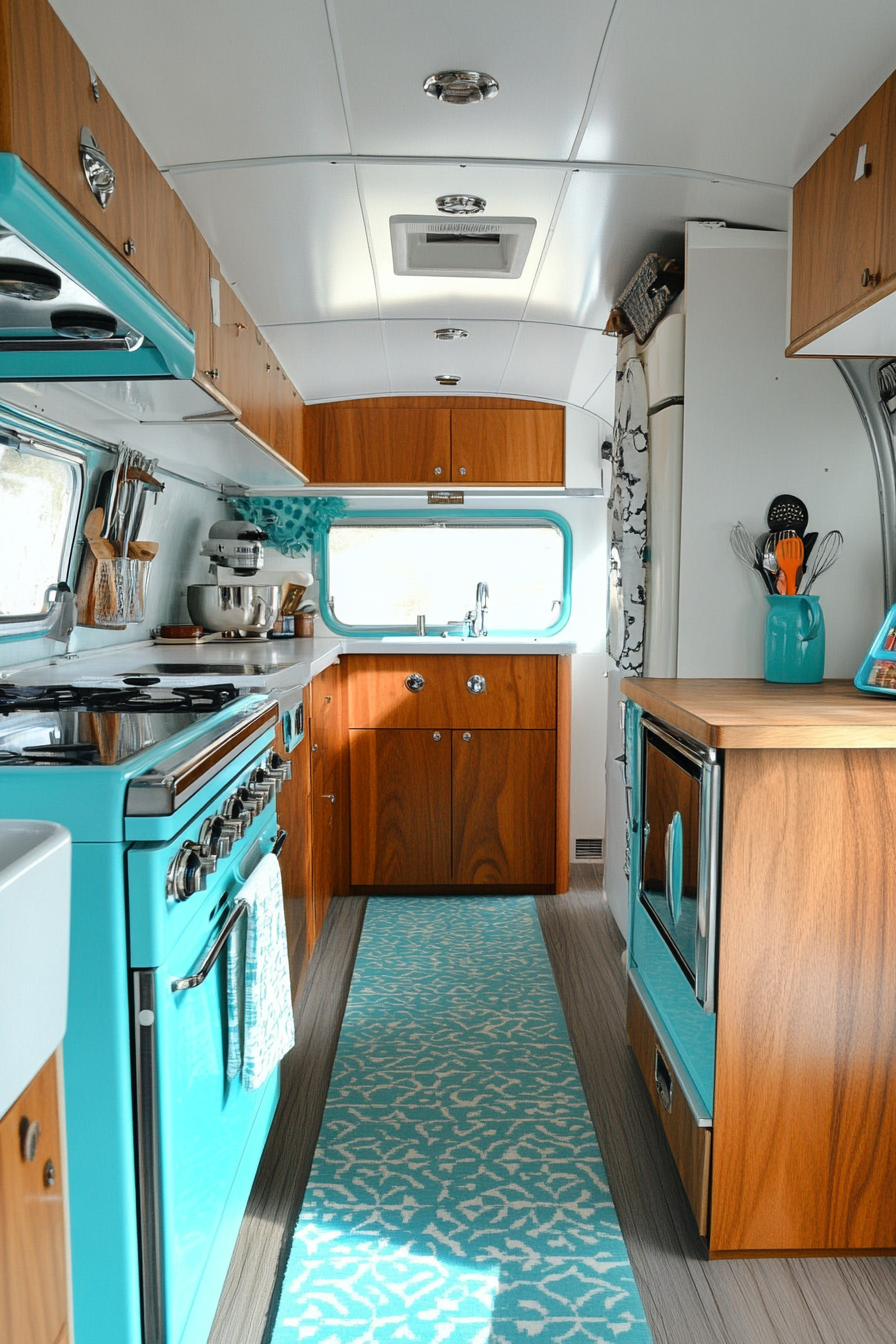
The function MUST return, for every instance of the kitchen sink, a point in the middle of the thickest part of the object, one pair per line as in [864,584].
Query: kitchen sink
[35,885]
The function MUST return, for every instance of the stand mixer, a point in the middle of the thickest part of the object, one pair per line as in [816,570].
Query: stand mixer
[237,609]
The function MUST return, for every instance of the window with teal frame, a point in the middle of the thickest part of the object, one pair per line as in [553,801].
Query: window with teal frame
[381,571]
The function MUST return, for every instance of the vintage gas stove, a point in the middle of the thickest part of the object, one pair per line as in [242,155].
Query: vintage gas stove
[170,796]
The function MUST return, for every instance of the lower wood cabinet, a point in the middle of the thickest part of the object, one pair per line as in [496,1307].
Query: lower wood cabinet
[401,807]
[33,1273]
[330,855]
[503,807]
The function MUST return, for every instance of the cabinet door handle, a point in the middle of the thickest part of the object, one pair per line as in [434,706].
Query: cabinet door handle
[662,1077]
[437,737]
[437,471]
[29,1133]
[476,684]
[468,737]
[414,682]
[869,278]
[331,796]
[97,169]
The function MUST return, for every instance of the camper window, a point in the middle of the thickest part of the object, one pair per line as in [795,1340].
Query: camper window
[382,572]
[40,494]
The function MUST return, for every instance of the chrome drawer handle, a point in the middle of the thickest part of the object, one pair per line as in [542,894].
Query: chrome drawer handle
[414,682]
[476,684]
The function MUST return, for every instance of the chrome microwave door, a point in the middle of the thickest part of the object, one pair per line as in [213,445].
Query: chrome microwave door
[679,848]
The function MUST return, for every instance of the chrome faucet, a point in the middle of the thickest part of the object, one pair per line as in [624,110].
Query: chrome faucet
[478,625]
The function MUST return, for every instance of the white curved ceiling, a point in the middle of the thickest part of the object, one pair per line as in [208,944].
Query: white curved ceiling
[616,121]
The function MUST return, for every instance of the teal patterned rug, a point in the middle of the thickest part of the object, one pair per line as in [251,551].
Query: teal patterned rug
[457,1192]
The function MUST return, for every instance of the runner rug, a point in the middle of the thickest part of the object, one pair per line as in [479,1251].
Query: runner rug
[457,1192]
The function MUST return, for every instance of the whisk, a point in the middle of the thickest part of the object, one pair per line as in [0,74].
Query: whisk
[747,552]
[827,553]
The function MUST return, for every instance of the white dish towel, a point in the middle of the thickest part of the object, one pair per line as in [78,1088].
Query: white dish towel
[260,1026]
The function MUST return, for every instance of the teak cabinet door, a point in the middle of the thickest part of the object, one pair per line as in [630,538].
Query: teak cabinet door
[841,249]
[504,807]
[329,791]
[523,447]
[353,443]
[33,1293]
[294,815]
[401,807]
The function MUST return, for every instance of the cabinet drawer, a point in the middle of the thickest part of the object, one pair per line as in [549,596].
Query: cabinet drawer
[690,1143]
[520,691]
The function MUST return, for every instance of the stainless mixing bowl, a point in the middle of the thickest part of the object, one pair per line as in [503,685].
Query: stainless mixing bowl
[246,608]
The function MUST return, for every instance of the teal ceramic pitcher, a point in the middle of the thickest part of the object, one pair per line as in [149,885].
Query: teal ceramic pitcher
[794,639]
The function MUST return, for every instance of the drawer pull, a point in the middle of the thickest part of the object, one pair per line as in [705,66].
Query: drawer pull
[414,682]
[476,684]
[662,1076]
[437,737]
[468,737]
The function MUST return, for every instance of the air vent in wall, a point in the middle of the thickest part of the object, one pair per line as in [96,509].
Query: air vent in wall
[485,249]
[589,849]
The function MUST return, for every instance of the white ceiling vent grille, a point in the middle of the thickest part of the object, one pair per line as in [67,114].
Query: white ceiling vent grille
[484,249]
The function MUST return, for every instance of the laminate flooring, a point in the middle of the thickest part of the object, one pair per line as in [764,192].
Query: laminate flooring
[687,1299]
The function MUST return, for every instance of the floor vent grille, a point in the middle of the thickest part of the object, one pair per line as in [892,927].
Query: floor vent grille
[589,849]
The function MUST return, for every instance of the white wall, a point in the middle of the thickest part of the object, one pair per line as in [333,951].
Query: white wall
[757,425]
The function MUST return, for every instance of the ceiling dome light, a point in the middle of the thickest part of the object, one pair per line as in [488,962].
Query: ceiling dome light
[460,205]
[450,333]
[460,86]
[448,379]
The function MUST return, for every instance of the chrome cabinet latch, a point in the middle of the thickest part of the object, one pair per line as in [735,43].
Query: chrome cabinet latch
[476,684]
[97,169]
[414,682]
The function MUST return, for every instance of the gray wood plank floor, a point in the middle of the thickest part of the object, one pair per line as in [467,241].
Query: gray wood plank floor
[687,1299]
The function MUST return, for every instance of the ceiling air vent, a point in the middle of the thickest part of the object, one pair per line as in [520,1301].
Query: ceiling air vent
[485,249]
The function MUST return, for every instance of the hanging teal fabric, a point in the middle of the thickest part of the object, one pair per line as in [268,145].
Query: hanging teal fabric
[295,523]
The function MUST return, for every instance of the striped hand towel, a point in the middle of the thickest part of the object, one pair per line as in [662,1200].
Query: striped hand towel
[260,1027]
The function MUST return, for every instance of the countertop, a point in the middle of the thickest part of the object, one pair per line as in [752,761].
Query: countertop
[280,667]
[752,714]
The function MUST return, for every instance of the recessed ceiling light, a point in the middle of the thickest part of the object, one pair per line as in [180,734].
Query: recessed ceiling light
[450,333]
[448,379]
[460,86]
[460,205]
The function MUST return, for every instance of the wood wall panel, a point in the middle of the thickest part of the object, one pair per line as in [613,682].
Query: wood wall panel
[523,447]
[33,1291]
[805,1109]
[521,691]
[504,807]
[401,807]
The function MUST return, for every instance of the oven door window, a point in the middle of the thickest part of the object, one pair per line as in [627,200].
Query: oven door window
[670,855]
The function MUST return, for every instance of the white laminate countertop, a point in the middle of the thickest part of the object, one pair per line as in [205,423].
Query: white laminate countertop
[280,667]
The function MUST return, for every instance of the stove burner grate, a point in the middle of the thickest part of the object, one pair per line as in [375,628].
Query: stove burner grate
[140,699]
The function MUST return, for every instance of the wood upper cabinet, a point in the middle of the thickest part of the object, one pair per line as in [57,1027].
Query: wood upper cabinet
[33,1278]
[401,807]
[360,441]
[523,447]
[844,248]
[503,798]
[435,441]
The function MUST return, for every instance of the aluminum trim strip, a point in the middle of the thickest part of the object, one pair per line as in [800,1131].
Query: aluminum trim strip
[164,789]
[673,1058]
[148,1173]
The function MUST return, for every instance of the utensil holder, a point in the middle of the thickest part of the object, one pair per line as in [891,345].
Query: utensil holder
[878,671]
[112,593]
[794,639]
[138,583]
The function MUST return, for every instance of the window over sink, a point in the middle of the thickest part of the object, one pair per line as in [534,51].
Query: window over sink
[382,571]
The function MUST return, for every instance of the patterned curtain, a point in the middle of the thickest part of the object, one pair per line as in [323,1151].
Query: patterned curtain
[628,531]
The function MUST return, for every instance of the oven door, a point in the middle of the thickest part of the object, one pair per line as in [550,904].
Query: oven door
[680,792]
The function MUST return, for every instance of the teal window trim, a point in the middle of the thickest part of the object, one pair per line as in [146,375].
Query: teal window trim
[498,516]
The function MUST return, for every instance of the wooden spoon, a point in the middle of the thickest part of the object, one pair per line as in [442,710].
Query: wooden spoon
[103,548]
[93,524]
[789,555]
[142,550]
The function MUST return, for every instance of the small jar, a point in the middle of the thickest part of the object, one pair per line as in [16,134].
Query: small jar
[305,624]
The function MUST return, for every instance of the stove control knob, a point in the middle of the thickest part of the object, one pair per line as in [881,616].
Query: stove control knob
[236,815]
[267,780]
[278,766]
[217,836]
[187,871]
[252,801]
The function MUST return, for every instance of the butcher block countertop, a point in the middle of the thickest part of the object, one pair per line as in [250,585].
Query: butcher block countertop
[753,714]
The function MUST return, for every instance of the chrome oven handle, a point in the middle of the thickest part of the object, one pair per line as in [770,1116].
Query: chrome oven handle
[193,981]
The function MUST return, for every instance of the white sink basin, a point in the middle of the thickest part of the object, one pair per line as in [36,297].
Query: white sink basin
[35,892]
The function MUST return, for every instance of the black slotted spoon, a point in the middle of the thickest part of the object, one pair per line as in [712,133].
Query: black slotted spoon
[787,513]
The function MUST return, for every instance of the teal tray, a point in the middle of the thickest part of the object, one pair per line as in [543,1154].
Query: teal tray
[878,672]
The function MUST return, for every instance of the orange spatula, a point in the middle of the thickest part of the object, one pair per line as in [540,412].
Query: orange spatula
[789,555]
